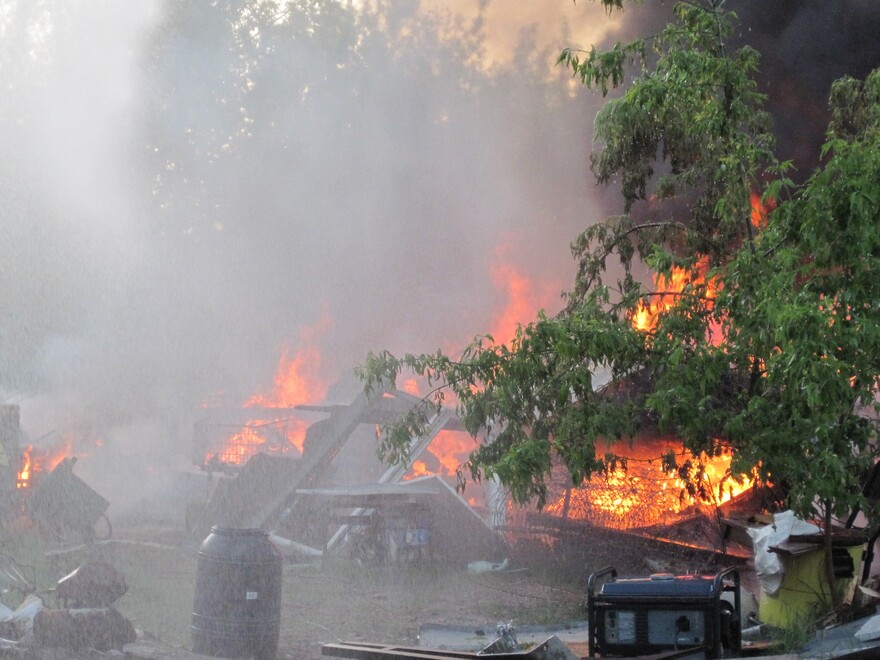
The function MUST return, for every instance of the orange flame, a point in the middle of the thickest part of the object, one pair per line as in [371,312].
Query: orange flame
[37,460]
[297,380]
[52,457]
[624,491]
[451,448]
[518,309]
[411,386]
[27,464]
[643,494]
[419,469]
[523,298]
[448,450]
[240,446]
[667,290]
[645,317]
[760,210]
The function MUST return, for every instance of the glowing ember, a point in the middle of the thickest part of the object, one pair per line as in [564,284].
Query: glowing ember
[643,494]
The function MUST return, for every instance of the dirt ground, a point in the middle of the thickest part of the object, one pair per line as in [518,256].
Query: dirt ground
[335,600]
[389,605]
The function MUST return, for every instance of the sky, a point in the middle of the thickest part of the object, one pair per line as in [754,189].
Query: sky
[190,202]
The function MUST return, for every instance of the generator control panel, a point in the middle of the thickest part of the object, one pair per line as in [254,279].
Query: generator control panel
[636,616]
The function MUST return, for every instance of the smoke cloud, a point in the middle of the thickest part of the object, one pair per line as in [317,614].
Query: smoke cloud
[189,189]
[805,45]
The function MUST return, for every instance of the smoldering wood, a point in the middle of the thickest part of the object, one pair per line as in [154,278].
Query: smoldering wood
[102,629]
[93,584]
[64,506]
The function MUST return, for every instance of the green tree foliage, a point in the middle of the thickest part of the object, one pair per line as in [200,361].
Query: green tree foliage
[810,312]
[770,348]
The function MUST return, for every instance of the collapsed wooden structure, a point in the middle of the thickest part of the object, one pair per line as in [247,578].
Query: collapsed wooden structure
[300,497]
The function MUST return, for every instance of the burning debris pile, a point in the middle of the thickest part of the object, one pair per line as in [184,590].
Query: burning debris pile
[317,484]
[43,489]
[320,488]
[43,499]
[643,494]
[328,493]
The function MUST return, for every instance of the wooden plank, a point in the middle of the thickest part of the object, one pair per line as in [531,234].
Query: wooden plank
[328,439]
[367,651]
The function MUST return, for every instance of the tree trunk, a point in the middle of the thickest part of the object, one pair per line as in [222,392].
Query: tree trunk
[829,561]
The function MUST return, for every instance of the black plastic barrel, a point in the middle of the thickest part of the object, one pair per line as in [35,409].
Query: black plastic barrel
[237,605]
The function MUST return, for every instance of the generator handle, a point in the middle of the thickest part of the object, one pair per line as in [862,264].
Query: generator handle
[591,608]
[737,605]
[719,582]
[591,583]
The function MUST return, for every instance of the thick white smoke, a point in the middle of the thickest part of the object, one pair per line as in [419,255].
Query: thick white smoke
[187,187]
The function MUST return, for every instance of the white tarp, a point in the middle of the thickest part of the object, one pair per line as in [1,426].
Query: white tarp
[768,565]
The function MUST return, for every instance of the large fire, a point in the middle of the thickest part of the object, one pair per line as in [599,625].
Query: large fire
[643,494]
[297,381]
[521,298]
[667,291]
[447,451]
